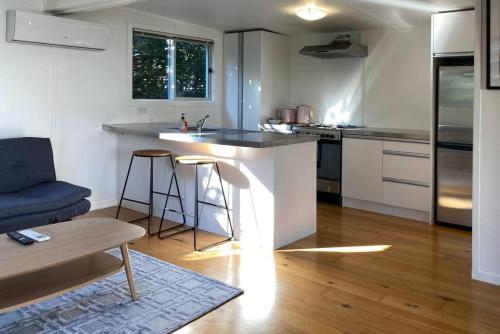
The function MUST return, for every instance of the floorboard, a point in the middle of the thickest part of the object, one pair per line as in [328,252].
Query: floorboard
[420,283]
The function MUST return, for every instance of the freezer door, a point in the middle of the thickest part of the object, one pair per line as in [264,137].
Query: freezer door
[454,186]
[455,104]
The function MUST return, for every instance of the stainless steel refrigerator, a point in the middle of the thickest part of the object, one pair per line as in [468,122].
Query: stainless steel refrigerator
[454,144]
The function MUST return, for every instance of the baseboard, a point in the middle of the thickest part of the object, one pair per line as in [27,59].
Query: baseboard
[386,209]
[486,277]
[103,205]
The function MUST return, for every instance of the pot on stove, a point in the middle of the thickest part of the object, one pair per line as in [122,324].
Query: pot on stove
[288,116]
[304,114]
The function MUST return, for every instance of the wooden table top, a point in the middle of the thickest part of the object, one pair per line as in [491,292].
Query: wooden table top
[69,241]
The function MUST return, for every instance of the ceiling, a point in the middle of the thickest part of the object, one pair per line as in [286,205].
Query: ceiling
[278,15]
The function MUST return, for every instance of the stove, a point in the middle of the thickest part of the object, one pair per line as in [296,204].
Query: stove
[329,158]
[325,131]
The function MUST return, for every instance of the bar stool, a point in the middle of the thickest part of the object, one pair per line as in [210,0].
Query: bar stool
[197,161]
[151,154]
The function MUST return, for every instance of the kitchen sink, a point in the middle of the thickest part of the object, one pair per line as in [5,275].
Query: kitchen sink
[192,129]
[197,134]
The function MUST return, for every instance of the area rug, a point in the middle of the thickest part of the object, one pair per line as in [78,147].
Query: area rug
[169,298]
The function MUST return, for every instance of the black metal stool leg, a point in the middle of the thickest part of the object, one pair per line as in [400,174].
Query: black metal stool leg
[227,211]
[166,201]
[150,198]
[173,178]
[178,191]
[196,217]
[225,201]
[124,187]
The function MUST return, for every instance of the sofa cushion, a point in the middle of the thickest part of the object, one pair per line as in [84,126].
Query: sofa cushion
[43,197]
[39,219]
[25,162]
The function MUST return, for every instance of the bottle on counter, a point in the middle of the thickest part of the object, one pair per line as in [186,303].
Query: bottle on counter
[183,125]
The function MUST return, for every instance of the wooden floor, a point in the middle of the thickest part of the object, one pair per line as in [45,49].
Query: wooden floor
[414,279]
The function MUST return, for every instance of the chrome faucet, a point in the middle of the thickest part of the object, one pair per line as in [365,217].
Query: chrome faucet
[201,123]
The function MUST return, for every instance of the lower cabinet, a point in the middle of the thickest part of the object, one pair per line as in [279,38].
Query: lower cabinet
[395,174]
[406,196]
[362,169]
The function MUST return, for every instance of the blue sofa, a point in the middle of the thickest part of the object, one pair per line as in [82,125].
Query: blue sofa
[30,195]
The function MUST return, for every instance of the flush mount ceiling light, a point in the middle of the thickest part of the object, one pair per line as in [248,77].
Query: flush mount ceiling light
[311,12]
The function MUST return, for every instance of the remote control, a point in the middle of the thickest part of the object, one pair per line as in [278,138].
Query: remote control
[38,237]
[20,238]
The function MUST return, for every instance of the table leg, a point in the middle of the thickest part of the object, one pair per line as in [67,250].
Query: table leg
[128,271]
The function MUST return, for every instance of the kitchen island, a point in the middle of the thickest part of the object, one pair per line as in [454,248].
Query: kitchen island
[269,179]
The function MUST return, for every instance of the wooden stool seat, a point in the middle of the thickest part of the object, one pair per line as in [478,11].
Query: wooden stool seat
[195,160]
[151,153]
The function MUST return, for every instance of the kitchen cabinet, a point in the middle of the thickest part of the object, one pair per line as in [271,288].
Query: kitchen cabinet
[362,169]
[453,32]
[406,161]
[387,175]
[407,196]
[408,168]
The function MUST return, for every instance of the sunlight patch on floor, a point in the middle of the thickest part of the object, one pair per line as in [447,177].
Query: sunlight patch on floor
[348,249]
[226,249]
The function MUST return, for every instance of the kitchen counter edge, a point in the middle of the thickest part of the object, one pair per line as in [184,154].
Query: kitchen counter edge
[230,137]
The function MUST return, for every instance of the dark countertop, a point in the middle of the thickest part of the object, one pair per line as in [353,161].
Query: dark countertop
[417,136]
[211,135]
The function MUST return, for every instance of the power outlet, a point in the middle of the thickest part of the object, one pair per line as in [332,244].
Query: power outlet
[142,110]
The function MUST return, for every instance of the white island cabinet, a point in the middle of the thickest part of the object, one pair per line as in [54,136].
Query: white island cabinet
[387,176]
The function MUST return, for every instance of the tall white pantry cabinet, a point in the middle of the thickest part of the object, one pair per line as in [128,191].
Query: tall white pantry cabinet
[256,73]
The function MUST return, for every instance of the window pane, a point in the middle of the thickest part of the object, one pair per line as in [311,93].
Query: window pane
[191,67]
[149,68]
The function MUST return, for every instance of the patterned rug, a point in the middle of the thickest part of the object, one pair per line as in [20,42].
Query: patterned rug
[169,298]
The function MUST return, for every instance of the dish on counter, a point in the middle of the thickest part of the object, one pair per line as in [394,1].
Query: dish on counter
[274,121]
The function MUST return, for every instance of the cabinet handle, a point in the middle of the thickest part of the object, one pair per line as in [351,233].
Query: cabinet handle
[385,138]
[408,154]
[453,54]
[412,183]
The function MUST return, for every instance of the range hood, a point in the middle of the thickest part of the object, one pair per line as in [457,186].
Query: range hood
[341,47]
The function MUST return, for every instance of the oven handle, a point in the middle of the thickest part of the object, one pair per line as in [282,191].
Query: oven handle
[319,154]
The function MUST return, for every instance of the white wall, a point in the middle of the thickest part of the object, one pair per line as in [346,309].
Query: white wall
[397,78]
[486,183]
[389,88]
[68,94]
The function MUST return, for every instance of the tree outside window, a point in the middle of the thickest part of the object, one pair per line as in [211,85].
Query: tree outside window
[168,68]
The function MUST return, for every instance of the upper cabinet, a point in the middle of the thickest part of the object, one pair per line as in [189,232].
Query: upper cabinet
[453,32]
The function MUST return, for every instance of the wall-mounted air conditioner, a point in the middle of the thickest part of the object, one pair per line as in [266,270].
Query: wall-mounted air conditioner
[25,27]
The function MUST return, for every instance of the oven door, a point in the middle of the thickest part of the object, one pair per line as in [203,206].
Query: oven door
[329,166]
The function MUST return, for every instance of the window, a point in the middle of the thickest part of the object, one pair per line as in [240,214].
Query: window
[168,67]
